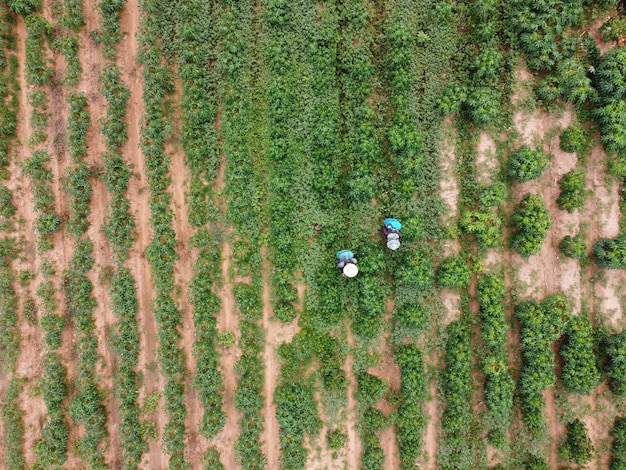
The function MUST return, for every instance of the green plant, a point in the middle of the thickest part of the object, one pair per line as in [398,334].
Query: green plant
[618,454]
[610,253]
[492,196]
[580,373]
[484,225]
[24,7]
[454,272]
[574,247]
[578,447]
[572,194]
[336,438]
[575,139]
[226,339]
[526,163]
[615,366]
[532,222]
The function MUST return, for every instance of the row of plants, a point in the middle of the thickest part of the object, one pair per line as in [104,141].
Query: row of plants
[196,55]
[618,450]
[499,385]
[87,406]
[541,325]
[118,227]
[458,418]
[161,252]
[13,426]
[281,46]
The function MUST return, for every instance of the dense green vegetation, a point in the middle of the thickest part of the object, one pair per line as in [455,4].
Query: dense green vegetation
[526,163]
[541,325]
[532,222]
[580,373]
[577,447]
[618,452]
[499,384]
[615,366]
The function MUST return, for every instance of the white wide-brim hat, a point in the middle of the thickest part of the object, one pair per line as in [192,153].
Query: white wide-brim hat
[350,270]
[393,244]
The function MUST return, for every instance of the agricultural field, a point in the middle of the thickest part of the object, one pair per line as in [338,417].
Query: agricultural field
[176,177]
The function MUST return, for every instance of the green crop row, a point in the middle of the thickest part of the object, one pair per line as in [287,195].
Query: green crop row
[125,340]
[109,34]
[580,372]
[87,407]
[541,325]
[458,417]
[280,50]
[196,54]
[119,227]
[13,426]
[618,452]
[499,385]
[51,447]
[615,367]
[411,421]
[38,69]
[38,101]
[76,182]
[161,253]
[47,221]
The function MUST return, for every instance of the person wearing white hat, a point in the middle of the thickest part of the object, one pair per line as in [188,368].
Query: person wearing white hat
[347,263]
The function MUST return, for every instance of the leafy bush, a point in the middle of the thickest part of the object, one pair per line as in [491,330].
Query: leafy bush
[336,439]
[610,253]
[610,81]
[411,421]
[578,447]
[457,381]
[572,191]
[492,196]
[618,452]
[580,373]
[574,247]
[499,385]
[24,7]
[526,163]
[485,226]
[574,139]
[454,272]
[7,209]
[615,367]
[541,325]
[532,222]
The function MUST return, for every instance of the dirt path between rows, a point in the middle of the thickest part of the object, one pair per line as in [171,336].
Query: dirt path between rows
[138,194]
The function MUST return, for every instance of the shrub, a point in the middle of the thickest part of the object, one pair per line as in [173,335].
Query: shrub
[526,164]
[580,373]
[492,196]
[615,366]
[486,226]
[572,191]
[618,454]
[574,247]
[574,139]
[610,253]
[454,272]
[336,439]
[578,447]
[7,209]
[24,7]
[532,222]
